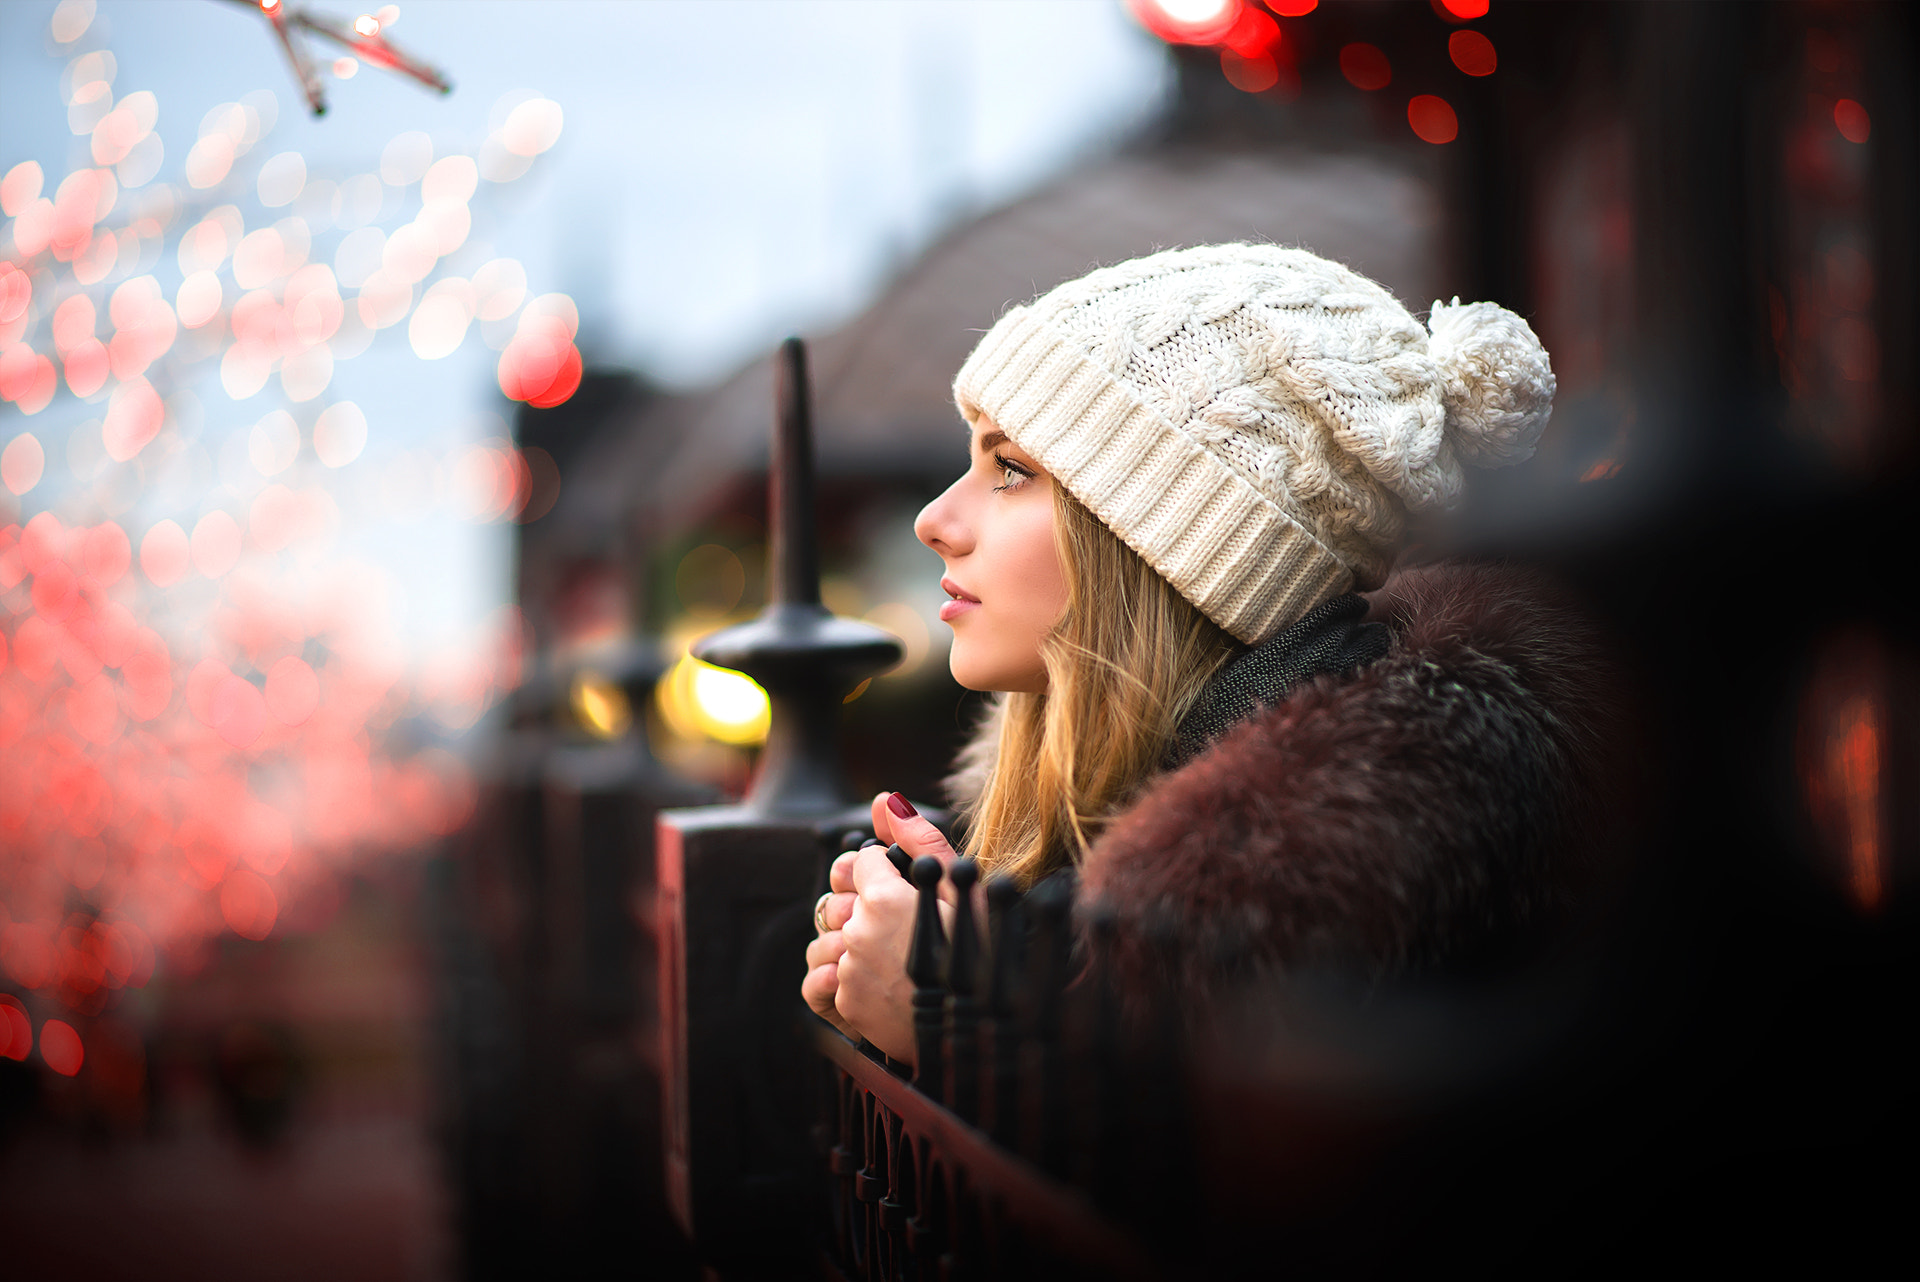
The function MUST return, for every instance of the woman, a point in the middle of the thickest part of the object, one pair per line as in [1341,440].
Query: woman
[1182,468]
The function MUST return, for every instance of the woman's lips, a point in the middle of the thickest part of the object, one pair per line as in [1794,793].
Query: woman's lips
[961,603]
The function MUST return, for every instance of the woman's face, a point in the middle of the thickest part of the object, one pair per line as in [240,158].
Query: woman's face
[994,529]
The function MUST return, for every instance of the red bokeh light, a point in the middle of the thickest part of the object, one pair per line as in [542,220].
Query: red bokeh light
[93,709]
[541,366]
[29,954]
[1365,66]
[41,542]
[1473,53]
[135,415]
[565,383]
[60,1047]
[164,554]
[1851,119]
[16,1029]
[144,327]
[22,463]
[106,554]
[1253,35]
[16,291]
[33,227]
[1432,118]
[248,904]
[84,197]
[27,378]
[157,790]
[86,367]
[1461,10]
[312,303]
[148,674]
[53,590]
[237,710]
[204,678]
[1293,8]
[293,691]
[72,323]
[36,650]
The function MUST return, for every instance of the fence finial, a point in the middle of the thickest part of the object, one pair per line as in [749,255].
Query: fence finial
[963,1006]
[926,963]
[805,658]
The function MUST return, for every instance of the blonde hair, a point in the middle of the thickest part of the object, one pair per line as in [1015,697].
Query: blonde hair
[1125,663]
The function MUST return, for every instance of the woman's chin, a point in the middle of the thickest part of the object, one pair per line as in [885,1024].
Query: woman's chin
[991,678]
[967,678]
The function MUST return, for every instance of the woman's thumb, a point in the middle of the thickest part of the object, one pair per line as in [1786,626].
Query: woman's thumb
[914,833]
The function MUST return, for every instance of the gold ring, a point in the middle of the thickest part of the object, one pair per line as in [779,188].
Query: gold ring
[819,908]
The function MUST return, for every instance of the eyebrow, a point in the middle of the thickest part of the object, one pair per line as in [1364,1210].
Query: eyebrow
[992,440]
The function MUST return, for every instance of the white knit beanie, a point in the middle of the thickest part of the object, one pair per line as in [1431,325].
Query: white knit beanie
[1255,421]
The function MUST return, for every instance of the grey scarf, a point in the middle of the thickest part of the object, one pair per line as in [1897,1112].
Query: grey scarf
[1331,638]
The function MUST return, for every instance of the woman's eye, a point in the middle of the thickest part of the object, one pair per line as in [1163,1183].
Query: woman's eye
[1012,475]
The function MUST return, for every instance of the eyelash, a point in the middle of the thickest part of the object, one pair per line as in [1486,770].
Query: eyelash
[1008,465]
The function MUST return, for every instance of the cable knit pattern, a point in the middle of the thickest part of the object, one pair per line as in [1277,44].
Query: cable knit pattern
[1255,420]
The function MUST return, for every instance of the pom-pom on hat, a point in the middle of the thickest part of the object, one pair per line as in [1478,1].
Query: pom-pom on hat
[1256,421]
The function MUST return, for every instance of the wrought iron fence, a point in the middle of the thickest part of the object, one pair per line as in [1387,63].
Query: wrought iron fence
[1026,1140]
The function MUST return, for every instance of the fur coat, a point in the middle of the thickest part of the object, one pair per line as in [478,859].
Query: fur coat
[1433,809]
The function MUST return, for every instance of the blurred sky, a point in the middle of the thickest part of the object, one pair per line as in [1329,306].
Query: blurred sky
[728,173]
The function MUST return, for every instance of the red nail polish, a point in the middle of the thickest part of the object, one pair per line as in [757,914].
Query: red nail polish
[901,807]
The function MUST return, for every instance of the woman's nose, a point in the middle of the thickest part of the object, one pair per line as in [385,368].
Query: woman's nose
[941,525]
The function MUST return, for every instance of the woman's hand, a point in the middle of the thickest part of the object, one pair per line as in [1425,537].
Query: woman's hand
[823,975]
[857,969]
[823,954]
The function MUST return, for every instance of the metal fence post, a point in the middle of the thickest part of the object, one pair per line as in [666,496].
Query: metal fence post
[736,890]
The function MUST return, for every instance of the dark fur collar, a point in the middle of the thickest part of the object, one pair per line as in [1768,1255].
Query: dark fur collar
[1426,810]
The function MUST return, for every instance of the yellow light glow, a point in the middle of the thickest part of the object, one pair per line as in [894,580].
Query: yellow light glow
[698,700]
[728,697]
[600,706]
